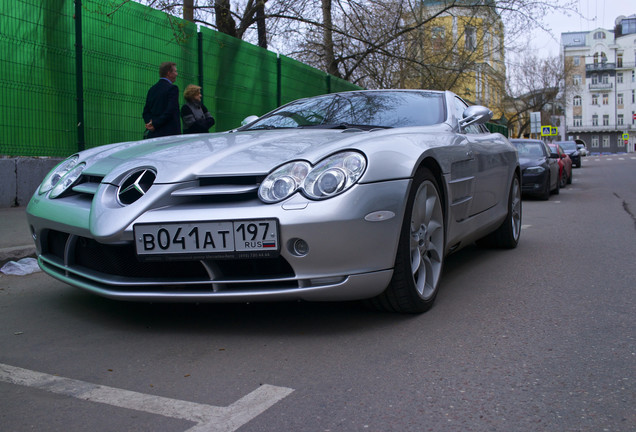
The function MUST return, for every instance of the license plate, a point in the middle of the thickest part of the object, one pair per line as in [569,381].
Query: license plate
[230,239]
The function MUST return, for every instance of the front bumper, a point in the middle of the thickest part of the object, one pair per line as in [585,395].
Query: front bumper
[351,252]
[534,183]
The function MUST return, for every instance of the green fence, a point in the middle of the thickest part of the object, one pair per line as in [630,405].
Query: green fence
[119,57]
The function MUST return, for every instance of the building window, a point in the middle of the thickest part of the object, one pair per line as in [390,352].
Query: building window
[599,35]
[471,38]
[619,99]
[619,60]
[577,61]
[595,120]
[620,119]
[633,76]
[606,141]
[594,79]
[577,100]
[594,99]
[619,77]
[621,143]
[633,96]
[438,35]
[605,120]
[605,99]
[594,140]
[578,121]
[576,79]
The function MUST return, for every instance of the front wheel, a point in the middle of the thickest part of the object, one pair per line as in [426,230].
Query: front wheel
[420,254]
[508,233]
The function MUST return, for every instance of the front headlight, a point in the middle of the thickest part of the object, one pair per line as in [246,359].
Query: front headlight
[67,181]
[56,174]
[328,178]
[283,182]
[534,170]
[334,175]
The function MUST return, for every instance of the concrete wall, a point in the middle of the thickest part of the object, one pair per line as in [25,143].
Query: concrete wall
[20,177]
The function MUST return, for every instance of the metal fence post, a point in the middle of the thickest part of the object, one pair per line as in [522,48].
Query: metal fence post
[79,76]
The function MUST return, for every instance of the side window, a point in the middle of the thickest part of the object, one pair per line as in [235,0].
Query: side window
[460,106]
[547,150]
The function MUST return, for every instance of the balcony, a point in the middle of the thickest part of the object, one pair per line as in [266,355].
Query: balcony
[601,86]
[601,128]
[600,67]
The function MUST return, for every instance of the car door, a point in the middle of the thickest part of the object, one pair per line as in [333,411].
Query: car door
[491,168]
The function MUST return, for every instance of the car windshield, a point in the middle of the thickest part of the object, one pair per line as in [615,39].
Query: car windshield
[567,145]
[364,110]
[529,150]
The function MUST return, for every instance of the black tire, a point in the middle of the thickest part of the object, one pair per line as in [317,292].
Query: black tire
[569,180]
[545,195]
[563,180]
[420,255]
[508,233]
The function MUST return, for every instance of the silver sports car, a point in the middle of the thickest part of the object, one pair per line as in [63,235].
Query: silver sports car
[356,195]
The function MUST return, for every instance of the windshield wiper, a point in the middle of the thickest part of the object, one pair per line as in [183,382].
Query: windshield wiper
[344,125]
[269,127]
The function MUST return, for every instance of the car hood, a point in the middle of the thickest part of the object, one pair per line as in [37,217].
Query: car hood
[184,157]
[525,162]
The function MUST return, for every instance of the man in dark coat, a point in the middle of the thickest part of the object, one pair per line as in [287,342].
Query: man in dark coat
[161,112]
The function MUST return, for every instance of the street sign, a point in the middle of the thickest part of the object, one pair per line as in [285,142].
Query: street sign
[546,130]
[625,136]
[535,122]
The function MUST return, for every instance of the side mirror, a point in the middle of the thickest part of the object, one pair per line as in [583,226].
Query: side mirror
[249,119]
[476,114]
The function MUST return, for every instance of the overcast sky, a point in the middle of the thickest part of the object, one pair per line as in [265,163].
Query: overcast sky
[596,13]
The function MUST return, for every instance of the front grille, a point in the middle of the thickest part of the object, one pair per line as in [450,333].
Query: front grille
[118,266]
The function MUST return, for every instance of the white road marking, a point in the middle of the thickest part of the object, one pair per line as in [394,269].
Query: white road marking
[209,418]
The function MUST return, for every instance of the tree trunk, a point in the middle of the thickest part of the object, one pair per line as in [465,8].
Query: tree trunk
[224,21]
[188,10]
[260,23]
[327,37]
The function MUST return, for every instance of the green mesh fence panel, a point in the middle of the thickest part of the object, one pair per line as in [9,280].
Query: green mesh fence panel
[123,45]
[494,128]
[299,80]
[122,54]
[239,79]
[339,85]
[37,91]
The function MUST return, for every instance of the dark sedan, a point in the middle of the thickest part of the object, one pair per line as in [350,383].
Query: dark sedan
[540,171]
[570,148]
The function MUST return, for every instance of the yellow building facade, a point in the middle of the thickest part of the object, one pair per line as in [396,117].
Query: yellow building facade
[460,49]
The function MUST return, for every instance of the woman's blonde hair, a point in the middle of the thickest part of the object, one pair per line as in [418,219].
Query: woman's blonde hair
[191,91]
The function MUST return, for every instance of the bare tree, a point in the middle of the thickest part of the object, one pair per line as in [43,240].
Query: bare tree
[375,43]
[535,85]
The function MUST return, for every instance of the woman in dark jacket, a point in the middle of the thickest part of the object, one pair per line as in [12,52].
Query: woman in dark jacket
[195,116]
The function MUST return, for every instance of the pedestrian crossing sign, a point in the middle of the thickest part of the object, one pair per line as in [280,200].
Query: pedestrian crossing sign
[548,131]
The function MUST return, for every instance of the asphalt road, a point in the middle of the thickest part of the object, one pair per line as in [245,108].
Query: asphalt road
[540,338]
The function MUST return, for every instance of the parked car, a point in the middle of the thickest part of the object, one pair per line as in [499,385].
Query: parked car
[580,145]
[539,169]
[355,195]
[565,165]
[570,148]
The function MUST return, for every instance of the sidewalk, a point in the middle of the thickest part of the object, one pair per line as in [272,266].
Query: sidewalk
[15,237]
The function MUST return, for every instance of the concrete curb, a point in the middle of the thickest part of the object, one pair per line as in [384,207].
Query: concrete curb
[16,253]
